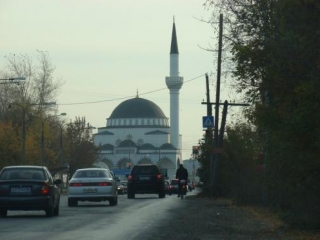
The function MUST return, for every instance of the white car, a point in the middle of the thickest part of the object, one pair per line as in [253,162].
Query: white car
[93,185]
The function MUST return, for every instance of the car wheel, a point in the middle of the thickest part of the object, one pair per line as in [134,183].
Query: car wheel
[113,201]
[56,209]
[4,213]
[49,211]
[72,202]
[162,194]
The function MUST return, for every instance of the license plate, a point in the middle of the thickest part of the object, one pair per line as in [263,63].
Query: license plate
[144,178]
[21,190]
[90,190]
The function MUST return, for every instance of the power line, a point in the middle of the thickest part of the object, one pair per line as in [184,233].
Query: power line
[127,97]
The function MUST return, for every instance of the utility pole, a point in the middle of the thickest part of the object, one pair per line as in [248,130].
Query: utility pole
[218,138]
[216,117]
[208,134]
[209,106]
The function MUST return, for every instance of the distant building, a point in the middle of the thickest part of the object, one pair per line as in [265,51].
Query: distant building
[138,131]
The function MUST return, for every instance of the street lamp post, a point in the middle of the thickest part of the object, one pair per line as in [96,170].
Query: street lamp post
[42,135]
[60,155]
[24,111]
[12,80]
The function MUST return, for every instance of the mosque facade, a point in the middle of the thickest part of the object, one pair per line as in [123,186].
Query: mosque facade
[138,131]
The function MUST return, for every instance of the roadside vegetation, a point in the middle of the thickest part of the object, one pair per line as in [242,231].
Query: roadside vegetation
[32,130]
[272,158]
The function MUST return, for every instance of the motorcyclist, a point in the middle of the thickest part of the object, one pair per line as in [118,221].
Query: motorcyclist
[181,174]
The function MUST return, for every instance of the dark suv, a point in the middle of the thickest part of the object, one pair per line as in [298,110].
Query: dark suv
[146,178]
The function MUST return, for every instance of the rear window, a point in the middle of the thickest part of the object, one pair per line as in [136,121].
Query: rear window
[174,182]
[92,174]
[145,170]
[22,174]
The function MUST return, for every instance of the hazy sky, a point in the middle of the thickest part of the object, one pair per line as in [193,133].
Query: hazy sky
[105,51]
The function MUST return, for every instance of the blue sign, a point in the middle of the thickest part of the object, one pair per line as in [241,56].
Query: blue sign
[207,122]
[120,171]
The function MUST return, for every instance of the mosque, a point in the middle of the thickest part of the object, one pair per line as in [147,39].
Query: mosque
[138,131]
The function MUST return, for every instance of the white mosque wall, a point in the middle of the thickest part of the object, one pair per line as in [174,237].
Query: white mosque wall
[137,135]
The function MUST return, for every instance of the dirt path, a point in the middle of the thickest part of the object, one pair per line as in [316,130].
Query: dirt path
[201,218]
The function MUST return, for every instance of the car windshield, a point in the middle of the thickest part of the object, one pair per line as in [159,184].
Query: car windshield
[92,174]
[22,174]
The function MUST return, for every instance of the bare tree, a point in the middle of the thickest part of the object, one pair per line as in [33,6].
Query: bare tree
[40,85]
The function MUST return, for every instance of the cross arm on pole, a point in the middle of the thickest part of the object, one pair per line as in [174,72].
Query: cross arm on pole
[230,104]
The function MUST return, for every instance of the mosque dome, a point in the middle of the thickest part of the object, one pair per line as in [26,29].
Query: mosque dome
[137,108]
[137,112]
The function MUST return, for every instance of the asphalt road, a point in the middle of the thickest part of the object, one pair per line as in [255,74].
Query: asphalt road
[130,219]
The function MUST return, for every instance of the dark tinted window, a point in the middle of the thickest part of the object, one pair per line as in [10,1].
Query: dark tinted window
[92,174]
[174,182]
[22,173]
[145,170]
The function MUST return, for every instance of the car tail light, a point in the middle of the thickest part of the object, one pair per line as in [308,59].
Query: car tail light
[129,177]
[159,177]
[104,184]
[45,189]
[75,184]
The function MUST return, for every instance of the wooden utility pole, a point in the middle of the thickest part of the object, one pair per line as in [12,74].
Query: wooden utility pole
[218,138]
[208,134]
[216,130]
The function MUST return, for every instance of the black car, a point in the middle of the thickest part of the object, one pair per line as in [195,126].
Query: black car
[167,186]
[146,178]
[28,188]
[174,186]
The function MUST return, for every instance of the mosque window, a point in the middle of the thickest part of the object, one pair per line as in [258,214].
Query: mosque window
[137,122]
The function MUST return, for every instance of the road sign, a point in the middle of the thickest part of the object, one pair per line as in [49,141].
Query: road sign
[207,122]
[118,171]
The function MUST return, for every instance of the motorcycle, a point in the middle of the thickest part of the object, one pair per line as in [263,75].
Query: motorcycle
[183,188]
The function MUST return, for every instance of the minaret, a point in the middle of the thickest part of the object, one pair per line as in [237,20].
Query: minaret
[174,83]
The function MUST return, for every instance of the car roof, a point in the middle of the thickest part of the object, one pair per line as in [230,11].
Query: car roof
[24,166]
[145,164]
[86,169]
